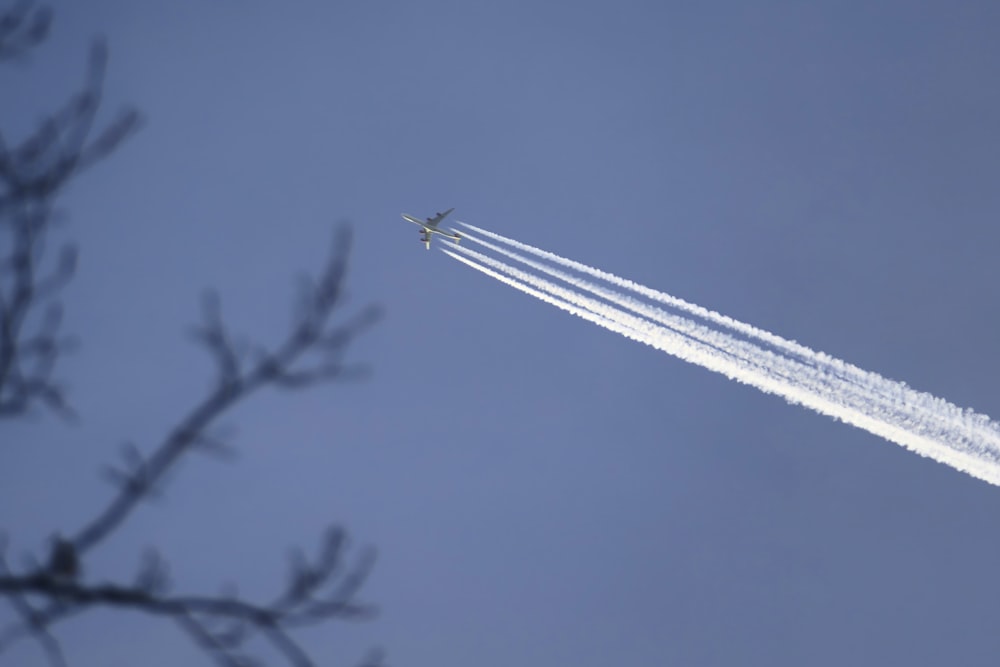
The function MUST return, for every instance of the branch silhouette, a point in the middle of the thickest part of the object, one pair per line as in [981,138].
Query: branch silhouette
[54,589]
[312,353]
[23,27]
[316,592]
[32,174]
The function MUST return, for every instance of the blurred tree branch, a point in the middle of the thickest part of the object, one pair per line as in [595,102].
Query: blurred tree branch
[313,352]
[23,27]
[32,174]
[315,592]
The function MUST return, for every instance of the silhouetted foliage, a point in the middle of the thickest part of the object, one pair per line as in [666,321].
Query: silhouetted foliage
[50,590]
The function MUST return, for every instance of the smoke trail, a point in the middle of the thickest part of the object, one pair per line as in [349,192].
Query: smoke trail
[920,422]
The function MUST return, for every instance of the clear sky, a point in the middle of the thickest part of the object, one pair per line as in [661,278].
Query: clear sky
[541,491]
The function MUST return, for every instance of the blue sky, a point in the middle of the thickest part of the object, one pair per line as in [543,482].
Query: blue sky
[540,491]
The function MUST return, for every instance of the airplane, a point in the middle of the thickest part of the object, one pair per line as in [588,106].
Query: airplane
[430,226]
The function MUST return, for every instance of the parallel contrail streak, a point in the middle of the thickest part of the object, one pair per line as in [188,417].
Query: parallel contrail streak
[786,346]
[856,390]
[680,304]
[916,406]
[772,364]
[744,370]
[923,423]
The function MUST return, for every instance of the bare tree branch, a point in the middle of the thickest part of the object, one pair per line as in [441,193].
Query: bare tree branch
[48,591]
[304,602]
[31,176]
[221,653]
[141,477]
[237,381]
[23,27]
[31,620]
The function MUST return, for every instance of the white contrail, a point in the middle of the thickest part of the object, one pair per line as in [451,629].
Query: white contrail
[893,396]
[786,346]
[923,423]
[855,390]
[630,326]
[786,378]
[584,313]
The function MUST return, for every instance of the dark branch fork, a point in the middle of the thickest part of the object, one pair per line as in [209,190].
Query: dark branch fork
[235,383]
[238,375]
[31,176]
[23,27]
[298,606]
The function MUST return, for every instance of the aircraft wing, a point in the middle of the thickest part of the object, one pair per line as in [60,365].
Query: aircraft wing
[433,222]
